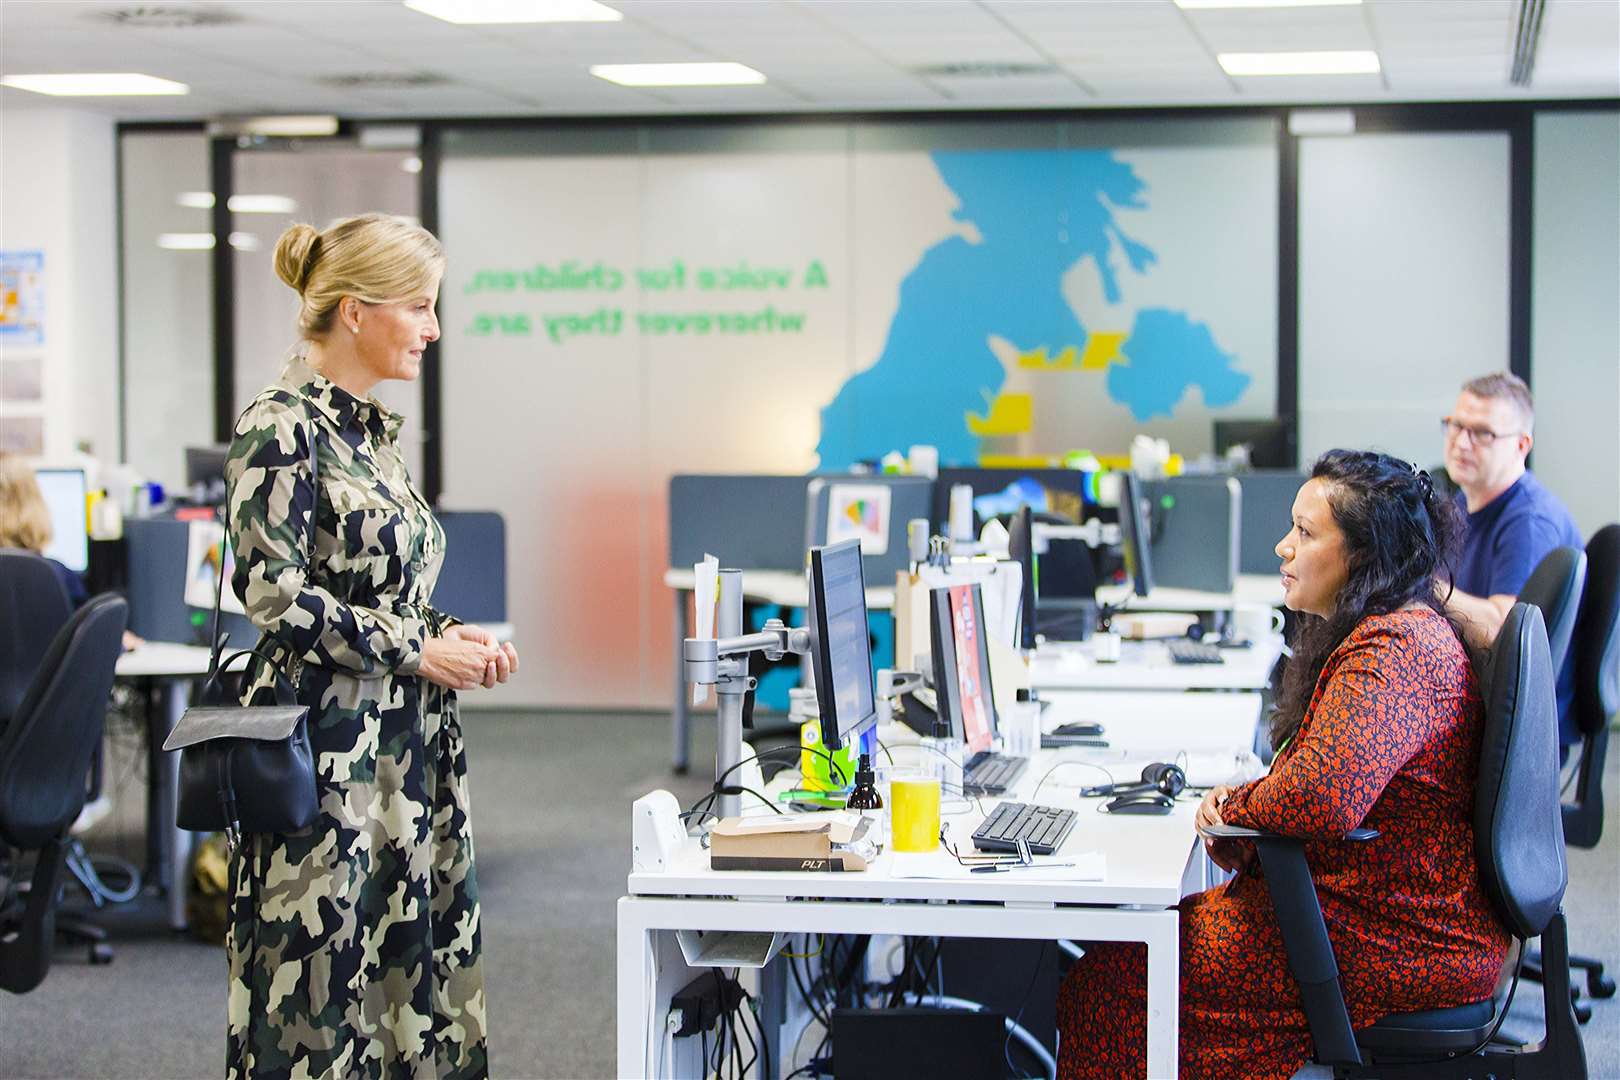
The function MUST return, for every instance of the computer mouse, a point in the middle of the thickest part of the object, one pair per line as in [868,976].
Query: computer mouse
[1079,727]
[1147,802]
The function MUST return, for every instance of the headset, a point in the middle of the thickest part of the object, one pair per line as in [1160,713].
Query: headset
[1161,776]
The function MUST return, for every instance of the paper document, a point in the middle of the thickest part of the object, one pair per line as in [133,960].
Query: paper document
[705,596]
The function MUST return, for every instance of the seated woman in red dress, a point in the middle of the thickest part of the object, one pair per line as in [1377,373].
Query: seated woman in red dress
[1378,724]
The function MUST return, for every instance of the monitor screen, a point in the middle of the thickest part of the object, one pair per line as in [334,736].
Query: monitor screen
[840,647]
[961,656]
[999,492]
[64,491]
[1133,531]
[1021,546]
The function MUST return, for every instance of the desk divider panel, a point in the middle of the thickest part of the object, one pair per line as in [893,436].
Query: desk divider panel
[156,549]
[1194,522]
[1268,508]
[472,582]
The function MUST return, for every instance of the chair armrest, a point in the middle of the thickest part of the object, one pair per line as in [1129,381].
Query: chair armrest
[1305,938]
[1238,832]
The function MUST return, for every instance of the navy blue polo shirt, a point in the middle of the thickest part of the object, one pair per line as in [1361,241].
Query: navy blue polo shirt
[1504,541]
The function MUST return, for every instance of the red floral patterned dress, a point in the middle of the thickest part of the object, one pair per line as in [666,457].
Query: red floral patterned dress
[1390,740]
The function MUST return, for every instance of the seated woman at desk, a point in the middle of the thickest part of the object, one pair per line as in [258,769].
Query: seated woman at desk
[1378,724]
[25,524]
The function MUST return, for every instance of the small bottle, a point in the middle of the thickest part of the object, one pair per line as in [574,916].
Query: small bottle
[864,798]
[945,758]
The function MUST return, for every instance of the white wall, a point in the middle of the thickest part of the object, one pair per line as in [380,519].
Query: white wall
[1575,314]
[57,195]
[1403,285]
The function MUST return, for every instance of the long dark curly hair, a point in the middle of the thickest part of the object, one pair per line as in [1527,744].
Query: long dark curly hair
[1400,539]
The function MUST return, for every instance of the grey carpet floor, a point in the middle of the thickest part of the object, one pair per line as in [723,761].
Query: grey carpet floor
[551,816]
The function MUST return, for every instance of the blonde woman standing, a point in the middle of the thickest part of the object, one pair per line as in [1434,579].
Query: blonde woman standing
[354,945]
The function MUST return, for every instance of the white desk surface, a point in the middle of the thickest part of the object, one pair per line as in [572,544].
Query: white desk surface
[1146,665]
[158,659]
[1156,724]
[1147,857]
[783,587]
[1250,591]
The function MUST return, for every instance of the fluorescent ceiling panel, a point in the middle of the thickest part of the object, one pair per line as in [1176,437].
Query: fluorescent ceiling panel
[1349,62]
[487,12]
[678,74]
[1207,5]
[102,84]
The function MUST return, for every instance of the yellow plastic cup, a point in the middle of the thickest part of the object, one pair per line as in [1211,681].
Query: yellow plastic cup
[914,812]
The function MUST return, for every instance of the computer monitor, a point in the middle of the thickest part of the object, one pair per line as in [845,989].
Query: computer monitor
[1002,491]
[961,656]
[1134,533]
[840,648]
[65,491]
[1270,442]
[205,468]
[1021,546]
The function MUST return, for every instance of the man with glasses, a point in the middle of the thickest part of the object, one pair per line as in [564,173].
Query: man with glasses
[1512,520]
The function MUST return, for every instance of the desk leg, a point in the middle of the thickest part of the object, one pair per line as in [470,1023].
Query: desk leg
[636,1035]
[1163,938]
[174,845]
[681,717]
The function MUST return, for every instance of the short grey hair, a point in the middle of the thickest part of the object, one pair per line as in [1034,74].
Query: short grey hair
[1505,384]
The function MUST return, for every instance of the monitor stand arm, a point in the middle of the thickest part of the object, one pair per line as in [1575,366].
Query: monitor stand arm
[722,662]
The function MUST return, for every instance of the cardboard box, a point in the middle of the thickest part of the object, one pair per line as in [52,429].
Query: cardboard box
[799,842]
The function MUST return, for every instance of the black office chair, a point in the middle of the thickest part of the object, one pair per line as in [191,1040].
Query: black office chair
[1596,645]
[44,755]
[1519,842]
[33,607]
[1555,587]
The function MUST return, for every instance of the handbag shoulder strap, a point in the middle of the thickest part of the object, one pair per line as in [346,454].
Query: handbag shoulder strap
[219,574]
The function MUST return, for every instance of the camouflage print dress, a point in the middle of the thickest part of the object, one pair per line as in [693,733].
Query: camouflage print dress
[353,945]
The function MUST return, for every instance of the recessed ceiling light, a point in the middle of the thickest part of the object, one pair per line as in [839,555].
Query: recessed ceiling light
[239,204]
[678,74]
[515,11]
[201,241]
[1193,5]
[1351,62]
[411,164]
[103,84]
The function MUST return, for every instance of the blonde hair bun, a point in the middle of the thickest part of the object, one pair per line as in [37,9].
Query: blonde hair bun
[375,258]
[293,255]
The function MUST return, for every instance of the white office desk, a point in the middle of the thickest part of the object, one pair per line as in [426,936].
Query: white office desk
[1249,591]
[1158,724]
[168,848]
[1151,863]
[1146,665]
[784,588]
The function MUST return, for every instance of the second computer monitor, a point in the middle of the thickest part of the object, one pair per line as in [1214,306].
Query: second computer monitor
[1021,547]
[840,648]
[64,492]
[961,656]
[1134,534]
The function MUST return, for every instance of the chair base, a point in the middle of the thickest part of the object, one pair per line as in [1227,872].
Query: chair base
[76,928]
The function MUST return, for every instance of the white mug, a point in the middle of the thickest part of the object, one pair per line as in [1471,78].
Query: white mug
[1254,623]
[1105,647]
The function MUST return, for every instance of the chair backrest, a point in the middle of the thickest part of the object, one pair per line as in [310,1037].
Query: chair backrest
[33,607]
[1555,587]
[45,750]
[1518,829]
[1596,654]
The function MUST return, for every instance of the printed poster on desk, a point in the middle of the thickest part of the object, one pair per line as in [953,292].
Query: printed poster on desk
[205,547]
[859,512]
[969,679]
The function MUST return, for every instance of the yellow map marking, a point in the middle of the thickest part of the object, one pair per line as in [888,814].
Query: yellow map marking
[1102,349]
[1010,414]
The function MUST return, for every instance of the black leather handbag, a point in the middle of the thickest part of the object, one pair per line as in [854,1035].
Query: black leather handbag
[246,768]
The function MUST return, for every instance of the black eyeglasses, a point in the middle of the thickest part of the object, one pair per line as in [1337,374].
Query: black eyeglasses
[1480,436]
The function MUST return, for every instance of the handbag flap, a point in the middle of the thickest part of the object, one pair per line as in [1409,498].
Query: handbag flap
[266,722]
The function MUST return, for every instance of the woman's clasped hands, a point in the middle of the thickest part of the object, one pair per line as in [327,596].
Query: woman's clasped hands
[467,657]
[1229,855]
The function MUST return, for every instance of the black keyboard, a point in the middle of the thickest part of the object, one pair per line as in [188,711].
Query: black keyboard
[1044,828]
[991,774]
[1188,651]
